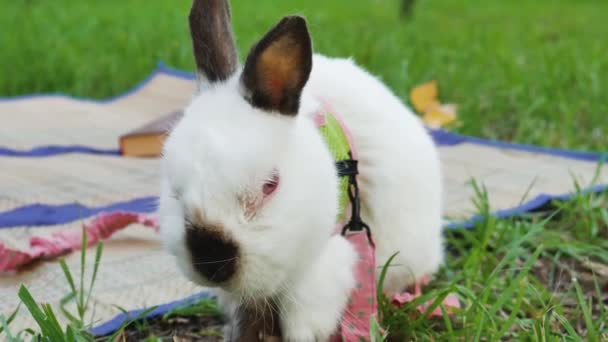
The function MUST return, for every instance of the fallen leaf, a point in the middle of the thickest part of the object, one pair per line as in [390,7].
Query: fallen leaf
[424,96]
[425,101]
[440,115]
[598,268]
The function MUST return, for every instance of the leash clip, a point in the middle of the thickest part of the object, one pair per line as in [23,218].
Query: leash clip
[349,168]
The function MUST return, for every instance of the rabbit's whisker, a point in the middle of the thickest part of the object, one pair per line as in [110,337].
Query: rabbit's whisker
[214,262]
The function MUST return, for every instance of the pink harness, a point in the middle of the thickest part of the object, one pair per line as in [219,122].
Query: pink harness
[362,306]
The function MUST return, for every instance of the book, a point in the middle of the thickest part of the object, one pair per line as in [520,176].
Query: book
[147,140]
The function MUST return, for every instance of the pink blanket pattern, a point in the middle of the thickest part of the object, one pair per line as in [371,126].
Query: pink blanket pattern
[59,243]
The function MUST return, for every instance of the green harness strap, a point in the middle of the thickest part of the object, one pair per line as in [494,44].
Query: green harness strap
[338,145]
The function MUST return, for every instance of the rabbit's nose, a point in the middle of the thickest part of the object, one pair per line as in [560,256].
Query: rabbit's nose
[214,255]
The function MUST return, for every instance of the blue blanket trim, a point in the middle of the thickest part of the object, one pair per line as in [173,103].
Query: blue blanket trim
[441,138]
[54,150]
[534,204]
[115,323]
[37,215]
[47,215]
[445,138]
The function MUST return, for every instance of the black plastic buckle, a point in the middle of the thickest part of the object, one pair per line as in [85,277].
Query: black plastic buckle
[349,168]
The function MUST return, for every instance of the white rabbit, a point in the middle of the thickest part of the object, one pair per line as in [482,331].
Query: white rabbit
[249,190]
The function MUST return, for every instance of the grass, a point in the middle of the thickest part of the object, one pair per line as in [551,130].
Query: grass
[526,278]
[524,71]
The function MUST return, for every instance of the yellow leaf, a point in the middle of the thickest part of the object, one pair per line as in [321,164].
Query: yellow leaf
[425,100]
[440,115]
[424,96]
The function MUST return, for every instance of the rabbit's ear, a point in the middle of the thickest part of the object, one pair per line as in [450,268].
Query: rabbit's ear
[212,40]
[278,67]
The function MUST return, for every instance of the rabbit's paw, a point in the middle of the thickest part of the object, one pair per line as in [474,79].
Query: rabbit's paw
[313,310]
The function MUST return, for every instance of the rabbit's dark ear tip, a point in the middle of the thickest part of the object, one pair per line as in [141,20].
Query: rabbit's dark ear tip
[294,21]
[295,26]
[295,18]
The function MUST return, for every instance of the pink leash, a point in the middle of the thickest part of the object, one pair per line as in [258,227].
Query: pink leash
[362,306]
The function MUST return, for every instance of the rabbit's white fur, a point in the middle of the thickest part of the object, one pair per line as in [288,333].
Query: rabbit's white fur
[223,146]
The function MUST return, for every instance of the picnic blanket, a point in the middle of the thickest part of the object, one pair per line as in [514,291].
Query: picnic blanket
[61,167]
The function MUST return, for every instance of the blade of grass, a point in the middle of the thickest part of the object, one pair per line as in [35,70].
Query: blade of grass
[30,331]
[85,338]
[514,250]
[62,306]
[83,259]
[69,334]
[98,253]
[67,274]
[46,326]
[376,334]
[30,304]
[447,321]
[598,293]
[10,318]
[591,334]
[63,302]
[514,312]
[380,287]
[547,324]
[567,326]
[50,314]
[538,330]
[4,328]
[468,293]
[508,292]
[206,307]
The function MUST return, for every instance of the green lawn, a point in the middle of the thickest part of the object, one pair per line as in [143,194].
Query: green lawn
[521,70]
[525,71]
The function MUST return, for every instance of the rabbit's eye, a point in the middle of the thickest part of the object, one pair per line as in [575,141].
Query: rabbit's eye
[270,185]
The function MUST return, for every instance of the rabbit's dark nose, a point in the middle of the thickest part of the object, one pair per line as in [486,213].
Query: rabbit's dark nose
[214,255]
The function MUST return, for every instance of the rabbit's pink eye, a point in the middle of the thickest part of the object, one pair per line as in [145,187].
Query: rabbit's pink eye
[271,185]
